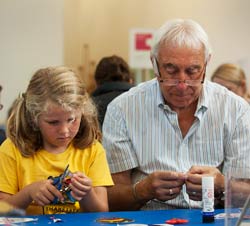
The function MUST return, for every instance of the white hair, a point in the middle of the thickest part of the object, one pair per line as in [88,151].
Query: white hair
[180,32]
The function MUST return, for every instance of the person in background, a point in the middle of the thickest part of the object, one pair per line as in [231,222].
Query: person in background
[233,77]
[113,77]
[8,115]
[2,132]
[165,134]
[2,136]
[53,125]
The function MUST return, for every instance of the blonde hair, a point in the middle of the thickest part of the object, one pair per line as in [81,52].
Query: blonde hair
[230,72]
[58,85]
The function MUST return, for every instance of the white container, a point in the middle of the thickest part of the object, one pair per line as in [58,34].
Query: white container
[207,199]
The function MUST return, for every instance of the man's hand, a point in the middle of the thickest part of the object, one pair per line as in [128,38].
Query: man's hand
[161,185]
[194,181]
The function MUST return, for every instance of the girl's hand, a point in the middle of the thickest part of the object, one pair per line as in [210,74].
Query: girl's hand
[80,185]
[43,192]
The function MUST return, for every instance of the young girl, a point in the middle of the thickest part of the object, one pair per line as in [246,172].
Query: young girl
[54,124]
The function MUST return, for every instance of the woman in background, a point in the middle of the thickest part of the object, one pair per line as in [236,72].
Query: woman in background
[113,77]
[233,78]
[2,132]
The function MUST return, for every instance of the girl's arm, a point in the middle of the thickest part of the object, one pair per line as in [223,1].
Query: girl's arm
[91,199]
[95,201]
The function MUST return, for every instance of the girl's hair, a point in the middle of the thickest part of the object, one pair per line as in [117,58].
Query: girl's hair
[180,32]
[230,72]
[59,85]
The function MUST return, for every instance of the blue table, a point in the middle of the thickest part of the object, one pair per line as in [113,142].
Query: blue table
[140,217]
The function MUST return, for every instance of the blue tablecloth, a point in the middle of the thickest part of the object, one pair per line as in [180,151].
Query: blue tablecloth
[194,217]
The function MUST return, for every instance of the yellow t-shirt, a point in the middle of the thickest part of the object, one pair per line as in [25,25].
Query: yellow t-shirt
[17,171]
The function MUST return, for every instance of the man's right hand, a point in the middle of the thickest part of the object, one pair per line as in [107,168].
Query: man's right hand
[161,185]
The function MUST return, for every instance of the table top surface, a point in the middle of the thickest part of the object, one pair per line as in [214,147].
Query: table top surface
[153,217]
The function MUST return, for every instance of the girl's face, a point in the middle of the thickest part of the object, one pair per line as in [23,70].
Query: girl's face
[58,128]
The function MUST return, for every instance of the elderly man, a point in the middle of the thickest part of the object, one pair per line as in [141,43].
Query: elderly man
[164,135]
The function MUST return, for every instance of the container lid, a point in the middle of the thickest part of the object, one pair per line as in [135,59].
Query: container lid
[208,181]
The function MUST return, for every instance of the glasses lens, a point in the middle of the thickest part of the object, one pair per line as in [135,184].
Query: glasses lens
[173,82]
[169,82]
[193,82]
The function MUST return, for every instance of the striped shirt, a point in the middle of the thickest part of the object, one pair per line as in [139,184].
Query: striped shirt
[141,132]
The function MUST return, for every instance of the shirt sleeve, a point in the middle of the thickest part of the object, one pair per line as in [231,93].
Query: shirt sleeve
[116,140]
[237,148]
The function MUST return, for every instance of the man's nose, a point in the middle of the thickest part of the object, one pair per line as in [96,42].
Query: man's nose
[182,78]
[182,85]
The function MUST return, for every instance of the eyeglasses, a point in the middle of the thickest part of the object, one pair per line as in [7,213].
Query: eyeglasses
[175,82]
[188,82]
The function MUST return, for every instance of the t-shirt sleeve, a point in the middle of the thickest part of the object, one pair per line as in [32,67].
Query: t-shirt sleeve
[8,168]
[99,170]
[117,141]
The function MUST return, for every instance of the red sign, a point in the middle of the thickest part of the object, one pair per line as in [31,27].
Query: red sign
[141,41]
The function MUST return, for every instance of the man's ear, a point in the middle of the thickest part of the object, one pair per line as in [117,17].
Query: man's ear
[155,66]
[209,58]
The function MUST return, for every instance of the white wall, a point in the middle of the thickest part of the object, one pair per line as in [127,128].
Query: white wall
[31,37]
[105,25]
[38,33]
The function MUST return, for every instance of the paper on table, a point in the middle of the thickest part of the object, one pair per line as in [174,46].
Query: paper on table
[13,220]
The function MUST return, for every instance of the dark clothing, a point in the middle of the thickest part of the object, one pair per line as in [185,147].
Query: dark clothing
[105,93]
[2,136]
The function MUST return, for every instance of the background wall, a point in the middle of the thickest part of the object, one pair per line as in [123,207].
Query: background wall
[78,33]
[104,26]
[31,37]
